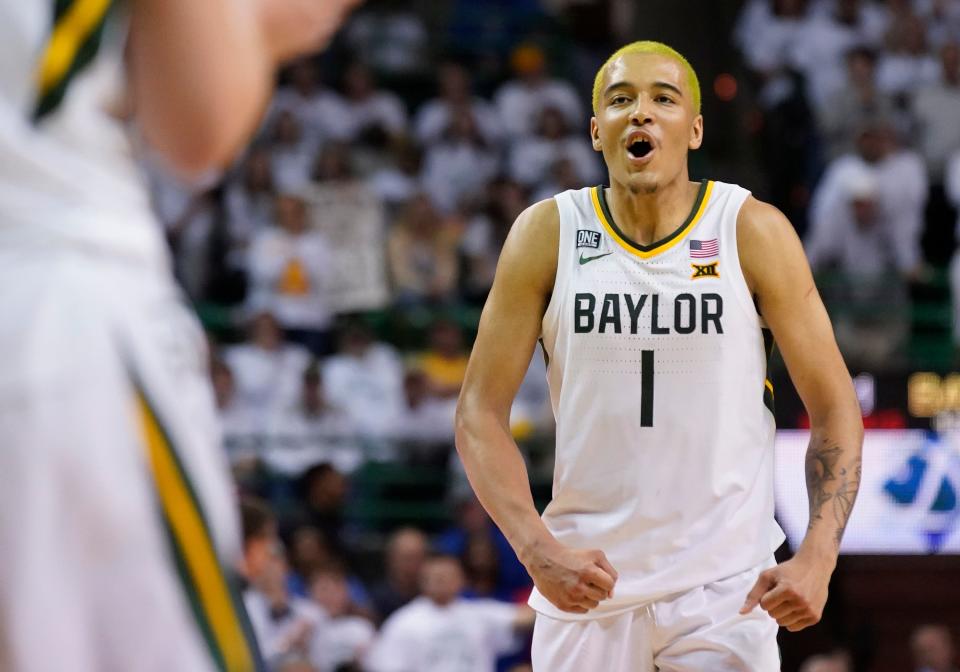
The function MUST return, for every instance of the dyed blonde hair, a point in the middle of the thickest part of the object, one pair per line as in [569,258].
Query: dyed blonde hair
[649,47]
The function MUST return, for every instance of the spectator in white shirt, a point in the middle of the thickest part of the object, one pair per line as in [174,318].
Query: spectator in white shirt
[321,111]
[267,371]
[442,632]
[238,422]
[376,115]
[284,624]
[521,100]
[937,110]
[348,636]
[292,153]
[251,195]
[289,267]
[533,158]
[858,99]
[906,64]
[311,432]
[460,165]
[456,97]
[365,379]
[766,34]
[824,39]
[399,180]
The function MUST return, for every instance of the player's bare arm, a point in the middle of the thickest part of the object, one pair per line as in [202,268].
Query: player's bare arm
[202,72]
[776,270]
[574,580]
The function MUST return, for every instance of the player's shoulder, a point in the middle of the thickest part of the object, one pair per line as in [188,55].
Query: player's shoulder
[760,224]
[765,233]
[529,255]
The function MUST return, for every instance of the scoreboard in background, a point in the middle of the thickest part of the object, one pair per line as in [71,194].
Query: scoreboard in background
[888,400]
[909,500]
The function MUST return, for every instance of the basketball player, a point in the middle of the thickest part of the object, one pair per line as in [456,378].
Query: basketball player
[115,500]
[655,299]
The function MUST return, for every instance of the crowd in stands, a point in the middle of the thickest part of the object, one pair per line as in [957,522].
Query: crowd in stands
[340,267]
[859,103]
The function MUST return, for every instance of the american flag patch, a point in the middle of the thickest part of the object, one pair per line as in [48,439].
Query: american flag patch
[701,249]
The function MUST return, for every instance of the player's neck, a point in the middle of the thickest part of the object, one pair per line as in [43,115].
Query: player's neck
[648,217]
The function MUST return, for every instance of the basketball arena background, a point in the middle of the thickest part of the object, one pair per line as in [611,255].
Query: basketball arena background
[340,267]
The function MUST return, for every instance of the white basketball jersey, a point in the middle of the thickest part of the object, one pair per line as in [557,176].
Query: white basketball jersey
[657,373]
[67,173]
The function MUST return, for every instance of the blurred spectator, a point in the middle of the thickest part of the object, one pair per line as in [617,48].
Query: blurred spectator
[825,38]
[460,164]
[521,101]
[532,158]
[289,271]
[932,648]
[766,33]
[952,194]
[267,370]
[292,153]
[284,624]
[422,252]
[442,632]
[251,199]
[237,421]
[943,21]
[831,662]
[562,176]
[405,553]
[937,110]
[322,113]
[323,493]
[294,662]
[511,580]
[376,115]
[485,233]
[906,64]
[867,217]
[365,379]
[399,180]
[260,540]
[894,180]
[312,432]
[857,100]
[390,39]
[426,425]
[333,164]
[445,361]
[347,636]
[435,116]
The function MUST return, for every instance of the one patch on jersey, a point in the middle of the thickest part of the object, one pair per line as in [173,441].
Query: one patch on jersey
[587,238]
[705,270]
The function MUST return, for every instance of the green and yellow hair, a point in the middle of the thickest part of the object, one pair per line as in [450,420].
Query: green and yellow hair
[649,47]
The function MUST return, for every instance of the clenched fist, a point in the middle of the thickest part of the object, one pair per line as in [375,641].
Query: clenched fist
[793,593]
[573,580]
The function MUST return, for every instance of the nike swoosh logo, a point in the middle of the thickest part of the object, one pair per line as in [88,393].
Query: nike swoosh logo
[587,260]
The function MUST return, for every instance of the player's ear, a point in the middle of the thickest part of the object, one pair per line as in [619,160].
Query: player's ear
[696,132]
[595,135]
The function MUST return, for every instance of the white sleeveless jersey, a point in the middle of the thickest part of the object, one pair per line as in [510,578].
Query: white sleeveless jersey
[657,373]
[67,173]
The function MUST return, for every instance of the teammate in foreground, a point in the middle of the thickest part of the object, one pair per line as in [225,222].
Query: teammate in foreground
[115,500]
[656,298]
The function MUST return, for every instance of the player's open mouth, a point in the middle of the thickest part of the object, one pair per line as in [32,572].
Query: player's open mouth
[639,149]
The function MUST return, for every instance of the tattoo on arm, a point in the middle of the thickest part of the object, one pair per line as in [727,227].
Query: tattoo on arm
[823,468]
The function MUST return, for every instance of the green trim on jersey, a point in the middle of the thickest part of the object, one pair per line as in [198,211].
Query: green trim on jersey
[663,241]
[74,41]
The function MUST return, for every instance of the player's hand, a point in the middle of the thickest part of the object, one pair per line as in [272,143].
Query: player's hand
[793,593]
[574,580]
[294,28]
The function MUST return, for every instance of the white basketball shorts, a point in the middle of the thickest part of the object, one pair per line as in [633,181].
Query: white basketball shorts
[697,630]
[116,506]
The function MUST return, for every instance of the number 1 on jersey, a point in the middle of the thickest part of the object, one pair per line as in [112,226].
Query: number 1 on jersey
[646,388]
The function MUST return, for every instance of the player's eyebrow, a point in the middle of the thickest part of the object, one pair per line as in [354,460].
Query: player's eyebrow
[669,87]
